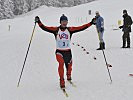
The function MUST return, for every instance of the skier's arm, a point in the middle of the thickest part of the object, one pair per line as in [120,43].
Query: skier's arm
[102,22]
[79,28]
[83,27]
[45,28]
[130,21]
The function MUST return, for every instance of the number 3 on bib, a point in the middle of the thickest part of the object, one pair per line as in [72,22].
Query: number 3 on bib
[63,43]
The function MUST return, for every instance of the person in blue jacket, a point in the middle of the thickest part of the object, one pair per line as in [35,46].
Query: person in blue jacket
[100,29]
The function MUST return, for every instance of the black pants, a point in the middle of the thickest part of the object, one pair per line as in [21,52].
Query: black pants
[67,56]
[126,38]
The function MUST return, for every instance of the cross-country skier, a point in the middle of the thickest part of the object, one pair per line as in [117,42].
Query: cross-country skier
[63,36]
[100,30]
[126,28]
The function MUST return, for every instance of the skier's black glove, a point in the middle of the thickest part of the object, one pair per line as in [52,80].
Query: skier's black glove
[93,21]
[121,27]
[101,29]
[37,19]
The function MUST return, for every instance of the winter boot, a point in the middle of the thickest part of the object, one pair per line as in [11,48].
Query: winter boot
[62,83]
[128,42]
[123,47]
[99,47]
[124,42]
[102,46]
[128,46]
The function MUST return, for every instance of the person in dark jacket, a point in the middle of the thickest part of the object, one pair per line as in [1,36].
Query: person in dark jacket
[100,29]
[126,28]
[63,36]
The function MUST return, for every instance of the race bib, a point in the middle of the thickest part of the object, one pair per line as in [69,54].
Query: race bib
[63,44]
[63,40]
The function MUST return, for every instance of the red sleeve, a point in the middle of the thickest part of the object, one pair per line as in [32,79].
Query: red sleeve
[47,28]
[79,28]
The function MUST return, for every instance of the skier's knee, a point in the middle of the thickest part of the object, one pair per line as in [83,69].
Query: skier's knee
[60,59]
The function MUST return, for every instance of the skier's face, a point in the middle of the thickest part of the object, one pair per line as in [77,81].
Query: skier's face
[64,23]
[97,14]
[124,13]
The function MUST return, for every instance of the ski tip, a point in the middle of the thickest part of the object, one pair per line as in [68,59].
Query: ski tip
[67,95]
[64,91]
[73,85]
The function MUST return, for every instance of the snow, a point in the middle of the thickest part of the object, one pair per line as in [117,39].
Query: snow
[40,78]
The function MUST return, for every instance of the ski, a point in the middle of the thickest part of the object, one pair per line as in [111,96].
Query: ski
[73,85]
[64,91]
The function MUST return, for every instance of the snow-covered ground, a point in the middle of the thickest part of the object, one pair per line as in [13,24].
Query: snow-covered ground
[40,78]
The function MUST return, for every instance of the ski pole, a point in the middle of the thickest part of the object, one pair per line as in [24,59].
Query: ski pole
[26,54]
[107,65]
[105,60]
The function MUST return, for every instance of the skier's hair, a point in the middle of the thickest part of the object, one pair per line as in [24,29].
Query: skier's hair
[63,17]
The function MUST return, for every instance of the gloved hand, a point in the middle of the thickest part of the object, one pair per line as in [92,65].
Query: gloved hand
[121,27]
[93,21]
[37,19]
[101,29]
